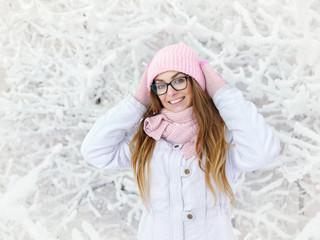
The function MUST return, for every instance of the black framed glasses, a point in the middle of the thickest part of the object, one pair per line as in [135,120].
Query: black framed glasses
[178,84]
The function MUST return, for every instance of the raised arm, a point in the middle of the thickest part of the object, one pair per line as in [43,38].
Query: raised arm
[255,143]
[107,143]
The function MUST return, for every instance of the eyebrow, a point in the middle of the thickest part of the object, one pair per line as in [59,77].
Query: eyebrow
[172,77]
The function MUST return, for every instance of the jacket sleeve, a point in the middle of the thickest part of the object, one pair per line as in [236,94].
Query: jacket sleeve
[107,143]
[255,143]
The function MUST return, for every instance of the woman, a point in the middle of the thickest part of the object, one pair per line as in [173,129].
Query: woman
[187,136]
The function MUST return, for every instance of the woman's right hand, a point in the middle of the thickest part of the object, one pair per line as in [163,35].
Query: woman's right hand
[142,94]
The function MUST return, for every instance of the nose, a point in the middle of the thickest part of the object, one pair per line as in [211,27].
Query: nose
[171,91]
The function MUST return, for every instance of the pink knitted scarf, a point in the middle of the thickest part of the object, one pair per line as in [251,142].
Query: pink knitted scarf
[177,127]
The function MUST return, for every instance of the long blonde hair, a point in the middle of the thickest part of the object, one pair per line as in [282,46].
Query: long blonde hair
[210,141]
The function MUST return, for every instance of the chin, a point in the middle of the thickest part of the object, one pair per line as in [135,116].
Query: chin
[177,109]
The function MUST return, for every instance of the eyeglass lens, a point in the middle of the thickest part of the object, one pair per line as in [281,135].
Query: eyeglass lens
[178,84]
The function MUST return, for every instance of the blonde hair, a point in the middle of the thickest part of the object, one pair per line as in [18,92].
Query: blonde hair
[210,141]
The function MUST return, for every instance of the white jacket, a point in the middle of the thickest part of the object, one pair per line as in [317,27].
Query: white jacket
[181,204]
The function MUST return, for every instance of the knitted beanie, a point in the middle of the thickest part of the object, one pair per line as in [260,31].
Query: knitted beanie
[177,57]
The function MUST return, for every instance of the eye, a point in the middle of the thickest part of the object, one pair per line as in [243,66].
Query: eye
[179,80]
[160,86]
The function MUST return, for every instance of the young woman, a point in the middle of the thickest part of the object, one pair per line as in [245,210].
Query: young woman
[187,135]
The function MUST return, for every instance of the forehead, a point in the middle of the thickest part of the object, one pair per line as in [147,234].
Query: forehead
[168,76]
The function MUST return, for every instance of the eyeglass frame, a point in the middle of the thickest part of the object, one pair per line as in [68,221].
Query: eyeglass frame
[169,84]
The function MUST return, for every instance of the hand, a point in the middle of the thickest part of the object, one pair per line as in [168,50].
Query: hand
[142,94]
[214,81]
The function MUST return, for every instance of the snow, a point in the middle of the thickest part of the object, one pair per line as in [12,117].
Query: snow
[311,229]
[65,63]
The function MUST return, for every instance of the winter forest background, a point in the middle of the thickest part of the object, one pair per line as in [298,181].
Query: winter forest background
[64,63]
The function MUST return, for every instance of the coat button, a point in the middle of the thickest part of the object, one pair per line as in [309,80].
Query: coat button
[190,216]
[187,171]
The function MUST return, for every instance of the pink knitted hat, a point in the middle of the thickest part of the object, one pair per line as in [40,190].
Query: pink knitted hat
[177,57]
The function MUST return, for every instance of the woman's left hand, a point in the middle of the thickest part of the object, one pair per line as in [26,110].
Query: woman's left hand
[214,81]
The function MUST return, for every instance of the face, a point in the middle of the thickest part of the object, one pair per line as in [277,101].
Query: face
[173,100]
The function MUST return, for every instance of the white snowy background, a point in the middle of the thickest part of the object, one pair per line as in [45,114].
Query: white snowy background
[64,63]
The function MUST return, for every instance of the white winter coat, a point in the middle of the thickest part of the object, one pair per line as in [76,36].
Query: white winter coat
[181,204]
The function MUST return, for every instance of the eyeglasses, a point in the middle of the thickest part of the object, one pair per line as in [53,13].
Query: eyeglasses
[178,84]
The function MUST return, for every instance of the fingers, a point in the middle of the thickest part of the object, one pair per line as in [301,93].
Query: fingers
[203,62]
[214,81]
[142,94]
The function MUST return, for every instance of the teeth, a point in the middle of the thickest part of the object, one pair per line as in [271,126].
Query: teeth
[176,101]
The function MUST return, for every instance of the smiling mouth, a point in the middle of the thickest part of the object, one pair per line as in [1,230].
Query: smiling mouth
[176,101]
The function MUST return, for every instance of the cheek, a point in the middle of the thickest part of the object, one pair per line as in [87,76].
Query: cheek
[162,99]
[190,99]
[189,92]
